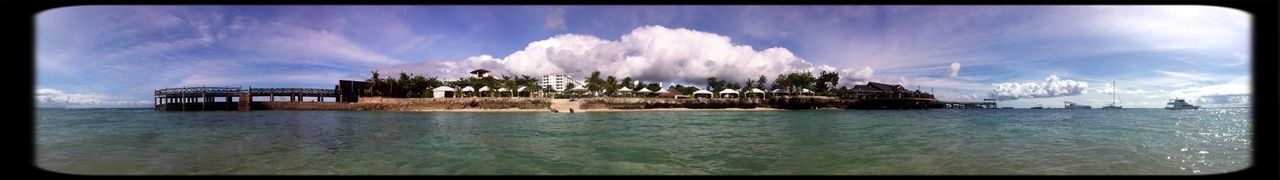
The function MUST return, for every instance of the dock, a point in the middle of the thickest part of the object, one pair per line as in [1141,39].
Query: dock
[233,98]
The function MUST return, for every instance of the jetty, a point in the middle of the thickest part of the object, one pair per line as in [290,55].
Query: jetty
[235,98]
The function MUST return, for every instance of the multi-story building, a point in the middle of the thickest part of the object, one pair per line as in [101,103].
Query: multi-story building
[558,82]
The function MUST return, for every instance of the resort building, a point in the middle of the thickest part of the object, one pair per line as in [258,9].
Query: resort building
[559,82]
[481,73]
[874,90]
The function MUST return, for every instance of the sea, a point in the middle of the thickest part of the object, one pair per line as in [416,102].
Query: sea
[803,142]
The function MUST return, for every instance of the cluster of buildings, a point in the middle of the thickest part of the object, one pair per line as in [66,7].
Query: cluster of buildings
[561,83]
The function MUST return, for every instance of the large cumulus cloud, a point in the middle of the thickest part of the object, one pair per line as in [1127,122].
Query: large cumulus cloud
[649,53]
[1051,87]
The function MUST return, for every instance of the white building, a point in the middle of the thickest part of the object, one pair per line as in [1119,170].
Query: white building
[559,82]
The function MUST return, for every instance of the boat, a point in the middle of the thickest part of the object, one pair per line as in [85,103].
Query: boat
[1176,104]
[1071,105]
[1038,106]
[1114,98]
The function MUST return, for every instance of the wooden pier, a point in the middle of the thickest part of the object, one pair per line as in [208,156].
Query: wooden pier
[233,98]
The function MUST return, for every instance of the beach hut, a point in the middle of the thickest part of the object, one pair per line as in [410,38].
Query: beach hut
[755,91]
[806,91]
[482,90]
[504,90]
[671,92]
[778,92]
[624,90]
[701,93]
[520,89]
[468,91]
[644,92]
[729,93]
[442,92]
[578,89]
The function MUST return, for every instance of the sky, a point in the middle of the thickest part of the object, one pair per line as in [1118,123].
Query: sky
[1024,56]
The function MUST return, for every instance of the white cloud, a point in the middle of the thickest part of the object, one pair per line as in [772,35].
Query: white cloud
[649,53]
[48,97]
[955,68]
[1051,87]
[851,76]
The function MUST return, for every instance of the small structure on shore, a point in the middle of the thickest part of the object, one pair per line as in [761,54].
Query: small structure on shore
[442,92]
[505,90]
[644,92]
[482,90]
[701,93]
[481,73]
[729,93]
[468,89]
[756,91]
[578,90]
[625,90]
[671,92]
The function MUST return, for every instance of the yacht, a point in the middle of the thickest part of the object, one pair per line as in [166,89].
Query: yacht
[1071,105]
[1039,106]
[1176,104]
[1114,98]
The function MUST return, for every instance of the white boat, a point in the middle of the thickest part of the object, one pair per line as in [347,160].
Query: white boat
[1176,104]
[1114,98]
[1071,105]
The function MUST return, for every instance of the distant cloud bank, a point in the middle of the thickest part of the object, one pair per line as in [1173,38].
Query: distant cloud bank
[46,97]
[1051,87]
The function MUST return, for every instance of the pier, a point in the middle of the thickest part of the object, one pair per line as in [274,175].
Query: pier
[233,98]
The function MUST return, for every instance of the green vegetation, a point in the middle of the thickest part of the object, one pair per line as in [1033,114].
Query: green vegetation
[417,86]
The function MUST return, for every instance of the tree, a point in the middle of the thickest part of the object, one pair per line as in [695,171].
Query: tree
[610,85]
[569,86]
[761,81]
[373,85]
[827,82]
[594,83]
[626,82]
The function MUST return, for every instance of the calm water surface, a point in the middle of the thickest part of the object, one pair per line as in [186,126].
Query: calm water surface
[919,142]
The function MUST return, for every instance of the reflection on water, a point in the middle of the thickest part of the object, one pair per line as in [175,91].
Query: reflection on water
[1018,141]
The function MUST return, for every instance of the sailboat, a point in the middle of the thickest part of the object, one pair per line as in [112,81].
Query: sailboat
[1114,98]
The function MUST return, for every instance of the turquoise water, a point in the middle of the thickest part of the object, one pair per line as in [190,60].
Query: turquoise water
[854,142]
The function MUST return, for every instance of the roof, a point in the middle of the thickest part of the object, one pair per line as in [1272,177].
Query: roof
[521,89]
[625,89]
[644,90]
[754,90]
[672,91]
[702,92]
[503,89]
[468,88]
[477,71]
[728,91]
[485,88]
[885,87]
[443,88]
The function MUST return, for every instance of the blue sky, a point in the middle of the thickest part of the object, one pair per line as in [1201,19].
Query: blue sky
[114,56]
